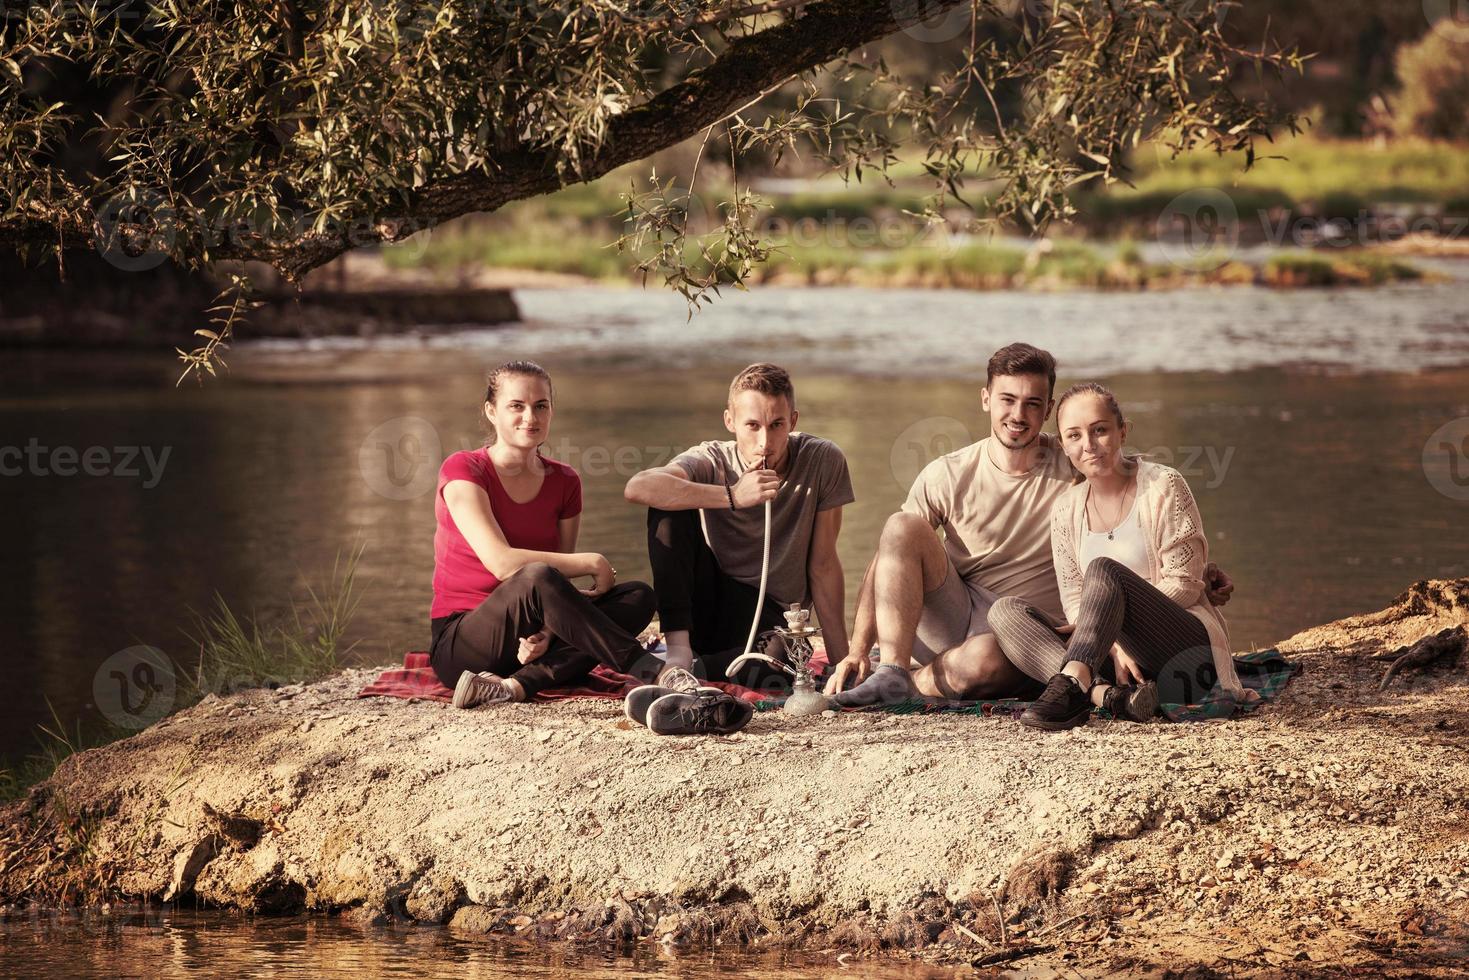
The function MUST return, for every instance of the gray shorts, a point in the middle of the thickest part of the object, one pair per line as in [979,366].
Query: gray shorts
[952,613]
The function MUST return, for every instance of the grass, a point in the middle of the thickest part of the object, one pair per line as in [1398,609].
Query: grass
[234,654]
[1302,269]
[1320,177]
[836,225]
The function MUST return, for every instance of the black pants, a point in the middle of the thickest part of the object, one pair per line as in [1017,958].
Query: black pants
[695,594]
[587,632]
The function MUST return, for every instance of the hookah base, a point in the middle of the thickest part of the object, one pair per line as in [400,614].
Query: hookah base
[805,700]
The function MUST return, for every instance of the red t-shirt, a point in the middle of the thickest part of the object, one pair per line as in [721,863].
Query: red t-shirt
[461,580]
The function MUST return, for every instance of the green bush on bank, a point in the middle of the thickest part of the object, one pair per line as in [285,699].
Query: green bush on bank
[1433,77]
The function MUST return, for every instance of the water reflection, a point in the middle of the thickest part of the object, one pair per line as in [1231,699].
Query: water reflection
[179,942]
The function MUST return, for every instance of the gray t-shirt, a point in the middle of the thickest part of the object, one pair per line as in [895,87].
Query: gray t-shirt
[816,480]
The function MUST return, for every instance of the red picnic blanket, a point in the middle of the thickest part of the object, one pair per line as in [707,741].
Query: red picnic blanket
[416,679]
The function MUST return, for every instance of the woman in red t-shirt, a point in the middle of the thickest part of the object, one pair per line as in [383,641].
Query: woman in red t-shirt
[507,621]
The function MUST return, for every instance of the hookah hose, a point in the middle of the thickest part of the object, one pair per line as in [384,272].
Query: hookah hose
[750,653]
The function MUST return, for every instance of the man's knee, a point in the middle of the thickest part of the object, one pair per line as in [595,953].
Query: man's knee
[901,529]
[978,668]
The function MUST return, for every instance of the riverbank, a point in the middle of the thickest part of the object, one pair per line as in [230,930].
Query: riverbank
[1326,828]
[933,261]
[1338,213]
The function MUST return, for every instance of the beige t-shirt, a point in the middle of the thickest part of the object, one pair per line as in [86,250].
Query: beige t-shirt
[816,480]
[997,527]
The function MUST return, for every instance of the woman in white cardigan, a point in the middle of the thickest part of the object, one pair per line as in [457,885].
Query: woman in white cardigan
[1129,550]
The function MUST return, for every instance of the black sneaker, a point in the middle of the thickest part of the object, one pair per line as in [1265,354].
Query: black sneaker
[1133,703]
[635,705]
[1062,705]
[702,713]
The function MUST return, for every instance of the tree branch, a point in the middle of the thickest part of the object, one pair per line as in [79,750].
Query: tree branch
[751,65]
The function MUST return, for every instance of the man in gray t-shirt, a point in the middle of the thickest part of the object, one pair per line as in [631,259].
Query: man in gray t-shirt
[706,525]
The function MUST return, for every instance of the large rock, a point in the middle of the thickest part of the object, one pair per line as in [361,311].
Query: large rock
[1335,812]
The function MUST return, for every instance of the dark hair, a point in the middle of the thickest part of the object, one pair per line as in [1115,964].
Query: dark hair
[1091,388]
[768,379]
[492,386]
[492,383]
[1022,358]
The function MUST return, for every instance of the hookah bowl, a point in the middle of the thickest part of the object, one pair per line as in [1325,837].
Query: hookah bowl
[797,635]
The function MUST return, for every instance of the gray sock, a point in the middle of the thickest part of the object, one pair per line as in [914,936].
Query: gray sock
[888,684]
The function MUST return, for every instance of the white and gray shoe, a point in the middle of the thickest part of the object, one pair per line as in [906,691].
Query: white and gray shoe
[481,688]
[678,680]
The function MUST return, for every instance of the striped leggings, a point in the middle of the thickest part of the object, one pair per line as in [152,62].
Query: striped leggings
[1117,606]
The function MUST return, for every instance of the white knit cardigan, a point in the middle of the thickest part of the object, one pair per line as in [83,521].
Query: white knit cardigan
[1177,553]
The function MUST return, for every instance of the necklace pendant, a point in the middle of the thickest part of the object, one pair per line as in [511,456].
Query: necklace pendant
[1109,535]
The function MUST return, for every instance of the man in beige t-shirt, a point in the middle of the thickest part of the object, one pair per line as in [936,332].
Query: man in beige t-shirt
[926,600]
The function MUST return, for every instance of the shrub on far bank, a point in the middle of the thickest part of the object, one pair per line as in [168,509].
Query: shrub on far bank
[1434,77]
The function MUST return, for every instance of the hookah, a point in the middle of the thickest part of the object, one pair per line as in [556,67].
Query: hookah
[795,637]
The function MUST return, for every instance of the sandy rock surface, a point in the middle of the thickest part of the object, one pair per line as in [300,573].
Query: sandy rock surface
[1329,827]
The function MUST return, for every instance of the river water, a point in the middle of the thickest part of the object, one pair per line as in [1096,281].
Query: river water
[1325,434]
[152,943]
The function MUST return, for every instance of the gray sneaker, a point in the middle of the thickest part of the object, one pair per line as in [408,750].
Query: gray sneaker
[481,688]
[702,713]
[635,705]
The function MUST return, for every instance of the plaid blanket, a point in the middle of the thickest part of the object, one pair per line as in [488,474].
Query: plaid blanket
[416,679]
[1265,671]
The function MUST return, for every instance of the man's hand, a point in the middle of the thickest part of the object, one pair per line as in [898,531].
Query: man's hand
[531,647]
[854,667]
[756,487]
[1217,586]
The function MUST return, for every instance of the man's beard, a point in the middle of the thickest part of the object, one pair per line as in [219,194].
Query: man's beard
[1006,439]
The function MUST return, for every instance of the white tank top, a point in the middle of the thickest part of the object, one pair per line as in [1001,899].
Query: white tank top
[1126,544]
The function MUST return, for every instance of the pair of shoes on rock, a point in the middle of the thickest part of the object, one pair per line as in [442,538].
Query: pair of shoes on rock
[678,705]
[1063,704]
